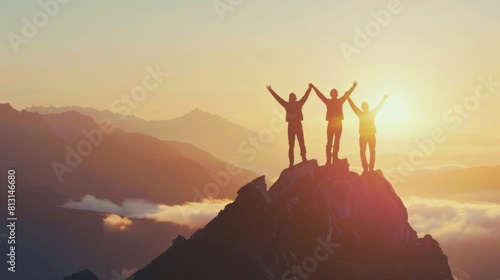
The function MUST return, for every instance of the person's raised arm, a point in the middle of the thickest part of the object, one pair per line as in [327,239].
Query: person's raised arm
[318,93]
[379,106]
[276,96]
[306,95]
[348,93]
[355,108]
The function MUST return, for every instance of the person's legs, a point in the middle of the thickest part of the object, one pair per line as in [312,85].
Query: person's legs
[372,141]
[362,152]
[337,131]
[329,142]
[291,143]
[300,138]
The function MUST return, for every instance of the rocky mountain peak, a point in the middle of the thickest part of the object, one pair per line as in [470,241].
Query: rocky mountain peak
[315,222]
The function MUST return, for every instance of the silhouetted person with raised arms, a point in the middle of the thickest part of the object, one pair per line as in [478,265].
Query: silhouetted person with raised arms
[334,116]
[367,131]
[294,118]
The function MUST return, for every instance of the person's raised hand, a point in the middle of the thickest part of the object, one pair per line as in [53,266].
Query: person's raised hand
[311,85]
[268,87]
[386,96]
[355,84]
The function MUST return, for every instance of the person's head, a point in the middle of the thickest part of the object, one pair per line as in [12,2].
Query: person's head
[365,107]
[334,93]
[292,97]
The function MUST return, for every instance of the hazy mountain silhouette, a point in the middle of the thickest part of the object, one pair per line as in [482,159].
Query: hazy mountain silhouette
[202,129]
[459,148]
[124,165]
[477,183]
[57,241]
[196,127]
[457,151]
[313,223]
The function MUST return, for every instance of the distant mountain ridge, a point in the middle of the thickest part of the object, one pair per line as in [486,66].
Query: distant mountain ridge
[124,165]
[201,129]
[173,129]
[456,183]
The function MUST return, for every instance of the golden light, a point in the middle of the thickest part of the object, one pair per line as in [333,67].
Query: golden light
[116,222]
[396,108]
[396,114]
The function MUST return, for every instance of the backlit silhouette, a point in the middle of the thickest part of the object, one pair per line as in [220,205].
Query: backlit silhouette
[367,131]
[334,116]
[294,118]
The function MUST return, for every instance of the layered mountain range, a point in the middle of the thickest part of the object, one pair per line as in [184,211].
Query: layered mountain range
[111,166]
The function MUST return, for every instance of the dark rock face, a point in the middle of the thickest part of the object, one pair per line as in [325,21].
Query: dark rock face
[313,223]
[82,275]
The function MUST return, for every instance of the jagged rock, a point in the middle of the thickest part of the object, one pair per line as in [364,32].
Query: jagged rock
[255,192]
[315,222]
[178,241]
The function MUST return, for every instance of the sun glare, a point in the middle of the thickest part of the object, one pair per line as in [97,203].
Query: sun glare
[396,108]
[395,114]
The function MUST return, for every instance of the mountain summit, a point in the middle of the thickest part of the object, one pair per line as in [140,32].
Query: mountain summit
[315,222]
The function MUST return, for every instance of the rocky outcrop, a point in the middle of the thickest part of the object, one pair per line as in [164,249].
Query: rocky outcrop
[313,223]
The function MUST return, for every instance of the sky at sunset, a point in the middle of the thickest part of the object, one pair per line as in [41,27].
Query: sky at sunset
[427,55]
[437,60]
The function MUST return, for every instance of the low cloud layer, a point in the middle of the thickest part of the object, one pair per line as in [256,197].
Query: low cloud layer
[192,214]
[469,233]
[447,219]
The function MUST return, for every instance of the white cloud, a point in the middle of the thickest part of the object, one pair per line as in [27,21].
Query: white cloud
[116,222]
[448,219]
[197,214]
[468,230]
[192,214]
